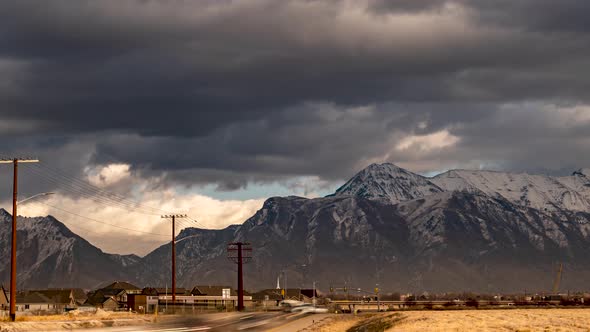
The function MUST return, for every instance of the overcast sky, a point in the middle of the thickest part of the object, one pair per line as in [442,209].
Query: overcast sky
[209,107]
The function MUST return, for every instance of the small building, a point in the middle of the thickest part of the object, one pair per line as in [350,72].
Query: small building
[113,296]
[102,300]
[46,300]
[208,297]
[142,303]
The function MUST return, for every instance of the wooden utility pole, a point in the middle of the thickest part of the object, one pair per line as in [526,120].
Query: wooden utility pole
[240,253]
[15,162]
[173,217]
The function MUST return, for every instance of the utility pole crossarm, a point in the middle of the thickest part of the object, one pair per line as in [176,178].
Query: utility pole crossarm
[20,160]
[168,216]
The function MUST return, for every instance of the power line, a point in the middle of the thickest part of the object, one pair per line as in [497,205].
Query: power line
[77,191]
[95,191]
[80,188]
[85,189]
[102,222]
[88,191]
[92,188]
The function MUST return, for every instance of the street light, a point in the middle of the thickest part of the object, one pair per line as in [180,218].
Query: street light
[13,252]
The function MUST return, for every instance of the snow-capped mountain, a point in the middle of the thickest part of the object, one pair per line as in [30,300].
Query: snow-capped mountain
[50,255]
[404,231]
[449,241]
[459,231]
[387,181]
[536,191]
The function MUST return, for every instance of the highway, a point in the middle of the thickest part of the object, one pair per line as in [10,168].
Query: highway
[255,321]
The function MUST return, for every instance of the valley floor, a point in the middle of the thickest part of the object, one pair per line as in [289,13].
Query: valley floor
[495,320]
[522,320]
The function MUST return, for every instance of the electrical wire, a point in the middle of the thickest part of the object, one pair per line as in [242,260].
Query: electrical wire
[102,222]
[82,193]
[88,191]
[80,188]
[93,190]
[86,187]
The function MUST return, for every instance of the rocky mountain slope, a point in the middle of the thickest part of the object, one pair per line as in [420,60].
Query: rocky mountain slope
[50,255]
[536,191]
[458,231]
[387,181]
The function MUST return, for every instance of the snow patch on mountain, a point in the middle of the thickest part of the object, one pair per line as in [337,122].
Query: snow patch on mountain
[389,182]
[541,192]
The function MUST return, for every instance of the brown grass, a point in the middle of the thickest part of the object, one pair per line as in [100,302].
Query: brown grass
[377,323]
[338,323]
[496,320]
[101,315]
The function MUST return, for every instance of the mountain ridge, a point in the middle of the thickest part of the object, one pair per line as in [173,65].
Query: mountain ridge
[477,231]
[49,254]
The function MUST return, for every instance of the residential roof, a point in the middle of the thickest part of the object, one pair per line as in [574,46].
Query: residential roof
[149,291]
[32,297]
[121,285]
[60,296]
[63,296]
[212,290]
[79,295]
[164,291]
[111,291]
[97,297]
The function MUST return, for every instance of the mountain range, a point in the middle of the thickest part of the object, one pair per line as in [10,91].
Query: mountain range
[461,230]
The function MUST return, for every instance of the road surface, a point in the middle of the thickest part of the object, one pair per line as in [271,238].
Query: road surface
[255,321]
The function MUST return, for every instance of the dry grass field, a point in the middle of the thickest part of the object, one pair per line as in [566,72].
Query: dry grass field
[74,320]
[495,320]
[80,316]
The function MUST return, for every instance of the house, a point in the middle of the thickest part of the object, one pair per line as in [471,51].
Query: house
[113,296]
[79,295]
[165,291]
[4,301]
[143,303]
[213,291]
[103,300]
[121,289]
[47,300]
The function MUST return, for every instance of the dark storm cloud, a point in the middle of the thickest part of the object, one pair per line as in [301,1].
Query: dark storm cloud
[405,6]
[232,92]
[540,15]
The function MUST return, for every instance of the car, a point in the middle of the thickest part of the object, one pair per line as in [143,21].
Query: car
[289,305]
[309,309]
[301,307]
[314,310]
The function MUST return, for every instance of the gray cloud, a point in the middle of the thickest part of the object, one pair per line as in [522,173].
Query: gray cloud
[235,92]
